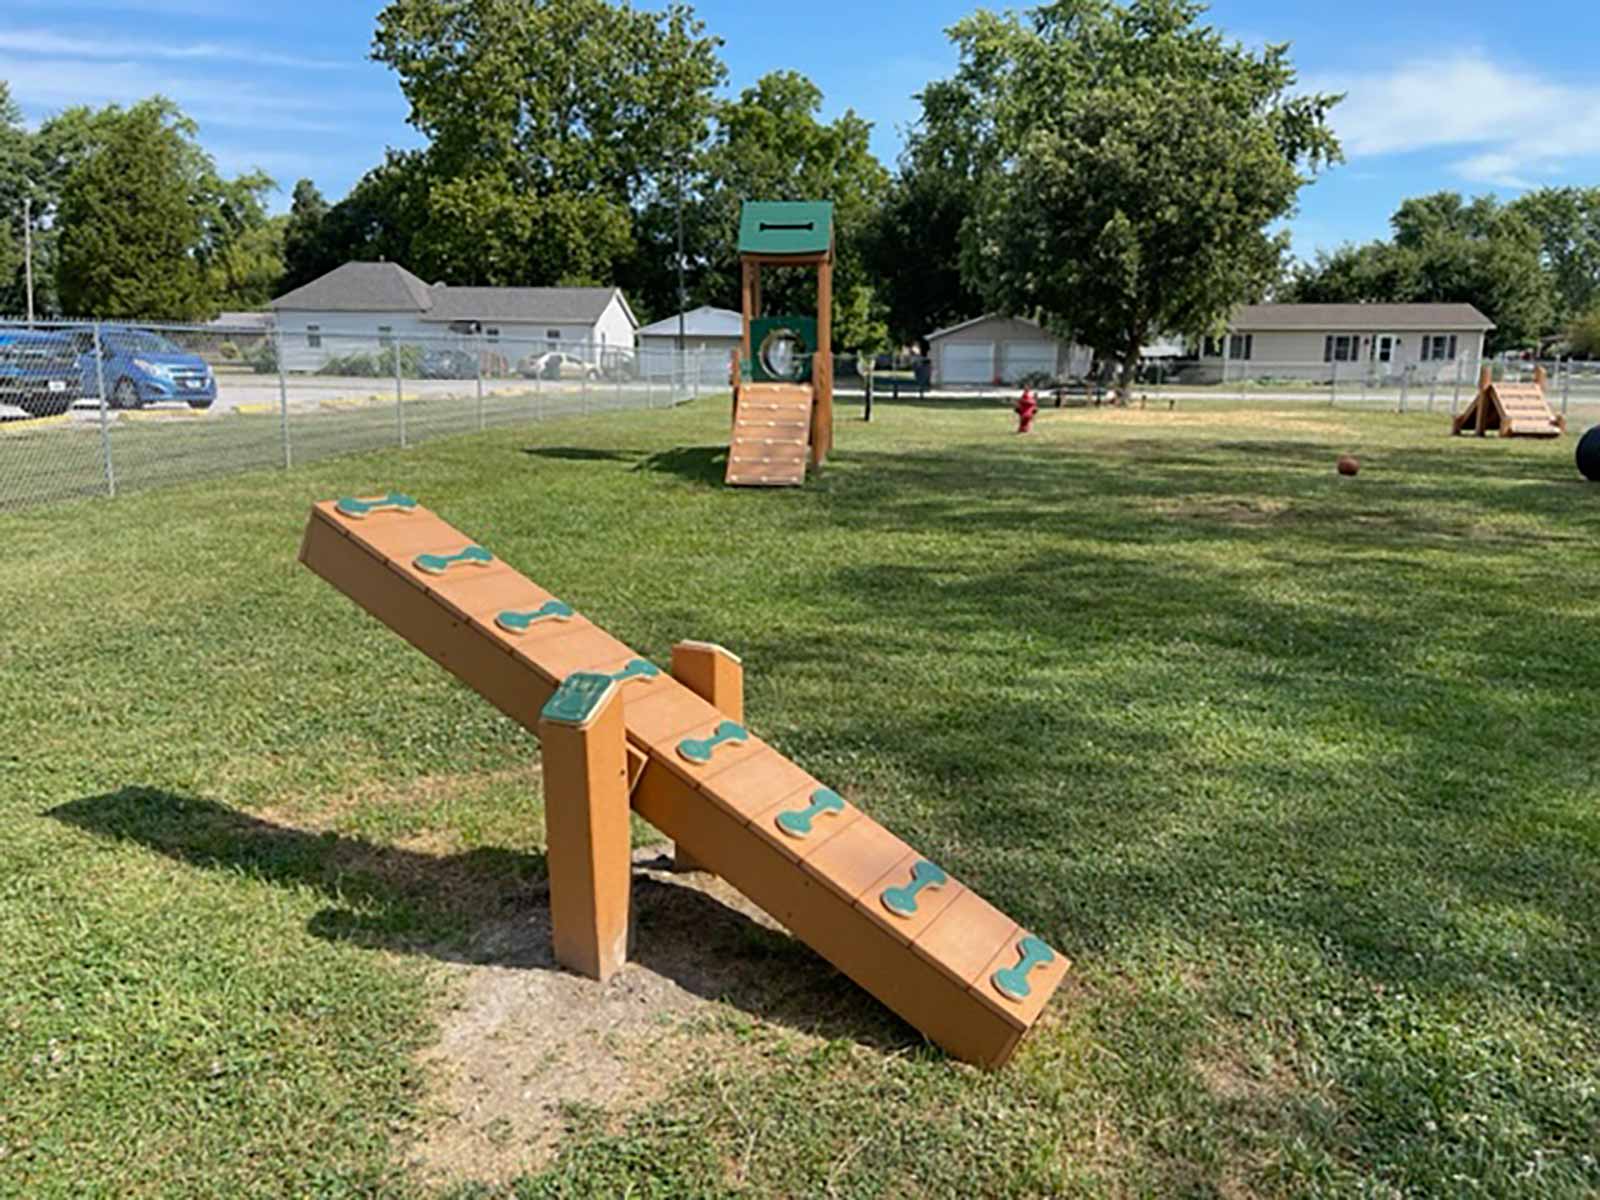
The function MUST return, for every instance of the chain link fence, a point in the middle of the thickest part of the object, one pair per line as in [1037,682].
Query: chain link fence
[100,409]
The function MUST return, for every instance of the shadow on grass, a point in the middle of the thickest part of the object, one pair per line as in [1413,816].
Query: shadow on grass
[693,464]
[584,454]
[490,906]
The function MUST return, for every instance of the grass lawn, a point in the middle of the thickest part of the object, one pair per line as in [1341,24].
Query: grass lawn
[1300,771]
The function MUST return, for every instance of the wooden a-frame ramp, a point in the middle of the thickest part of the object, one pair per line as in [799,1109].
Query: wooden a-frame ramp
[1514,409]
[935,952]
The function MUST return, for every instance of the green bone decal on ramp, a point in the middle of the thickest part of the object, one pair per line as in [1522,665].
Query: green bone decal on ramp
[902,901]
[579,698]
[801,822]
[639,668]
[438,564]
[393,502]
[1012,982]
[521,622]
[700,750]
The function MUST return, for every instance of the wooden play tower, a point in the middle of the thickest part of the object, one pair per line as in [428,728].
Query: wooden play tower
[783,381]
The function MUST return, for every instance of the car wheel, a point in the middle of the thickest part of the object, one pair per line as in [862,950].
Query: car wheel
[591,374]
[125,394]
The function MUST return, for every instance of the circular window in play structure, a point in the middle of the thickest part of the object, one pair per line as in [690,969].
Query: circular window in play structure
[783,354]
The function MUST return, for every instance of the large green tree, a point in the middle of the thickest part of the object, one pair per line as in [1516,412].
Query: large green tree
[547,121]
[1139,161]
[145,226]
[1446,250]
[1567,222]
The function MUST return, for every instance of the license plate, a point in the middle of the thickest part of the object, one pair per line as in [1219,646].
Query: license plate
[57,385]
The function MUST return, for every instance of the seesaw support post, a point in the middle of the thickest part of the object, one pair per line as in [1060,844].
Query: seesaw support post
[584,744]
[717,676]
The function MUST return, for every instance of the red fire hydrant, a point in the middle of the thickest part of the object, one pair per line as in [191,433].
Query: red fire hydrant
[1027,409]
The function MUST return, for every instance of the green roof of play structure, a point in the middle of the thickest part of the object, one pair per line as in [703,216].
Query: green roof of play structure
[786,227]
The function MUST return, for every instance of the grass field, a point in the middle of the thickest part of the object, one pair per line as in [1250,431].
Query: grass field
[1300,771]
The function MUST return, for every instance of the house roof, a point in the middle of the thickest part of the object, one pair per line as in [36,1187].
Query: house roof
[1360,318]
[571,306]
[388,287]
[949,329]
[705,321]
[361,287]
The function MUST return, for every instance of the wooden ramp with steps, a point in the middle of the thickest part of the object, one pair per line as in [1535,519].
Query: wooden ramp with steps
[928,948]
[771,435]
[1512,409]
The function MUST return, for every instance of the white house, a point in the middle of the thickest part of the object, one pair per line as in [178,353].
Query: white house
[1316,341]
[710,336]
[366,307]
[994,349]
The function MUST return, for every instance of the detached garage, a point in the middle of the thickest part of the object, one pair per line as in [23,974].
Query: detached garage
[994,349]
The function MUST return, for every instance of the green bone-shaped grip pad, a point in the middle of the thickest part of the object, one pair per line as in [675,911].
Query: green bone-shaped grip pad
[1012,982]
[393,502]
[578,698]
[637,669]
[520,622]
[700,750]
[438,564]
[902,901]
[801,822]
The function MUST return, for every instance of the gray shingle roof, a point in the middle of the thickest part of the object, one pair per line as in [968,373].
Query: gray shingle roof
[361,287]
[1359,318]
[572,306]
[705,321]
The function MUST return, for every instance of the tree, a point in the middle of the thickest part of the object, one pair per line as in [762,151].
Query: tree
[1446,250]
[547,121]
[1567,221]
[130,225]
[769,145]
[1583,336]
[1138,161]
[914,242]
[305,256]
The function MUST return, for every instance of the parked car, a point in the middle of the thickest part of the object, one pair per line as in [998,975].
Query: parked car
[38,372]
[140,367]
[621,365]
[447,364]
[557,365]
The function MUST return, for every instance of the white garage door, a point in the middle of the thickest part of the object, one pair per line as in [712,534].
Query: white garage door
[1018,359]
[966,362]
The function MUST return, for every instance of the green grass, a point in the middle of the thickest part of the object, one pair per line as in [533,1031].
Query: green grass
[1300,771]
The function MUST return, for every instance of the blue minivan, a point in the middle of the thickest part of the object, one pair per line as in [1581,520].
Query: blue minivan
[140,367]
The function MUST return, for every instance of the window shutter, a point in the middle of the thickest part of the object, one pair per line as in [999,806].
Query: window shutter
[1327,348]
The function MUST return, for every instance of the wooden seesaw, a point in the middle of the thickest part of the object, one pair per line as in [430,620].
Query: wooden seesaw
[1515,409]
[617,731]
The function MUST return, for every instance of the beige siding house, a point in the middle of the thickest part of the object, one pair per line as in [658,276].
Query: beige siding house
[994,349]
[1317,341]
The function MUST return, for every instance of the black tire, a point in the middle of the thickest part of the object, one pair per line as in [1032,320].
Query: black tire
[201,404]
[1589,455]
[126,394]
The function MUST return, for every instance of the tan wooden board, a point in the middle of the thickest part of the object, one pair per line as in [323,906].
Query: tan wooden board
[753,783]
[669,713]
[1042,981]
[931,902]
[824,830]
[862,854]
[589,649]
[965,937]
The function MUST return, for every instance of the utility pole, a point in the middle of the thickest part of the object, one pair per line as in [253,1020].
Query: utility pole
[683,293]
[27,249]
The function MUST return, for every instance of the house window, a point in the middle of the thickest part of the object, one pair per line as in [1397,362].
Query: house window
[1241,345]
[386,336]
[492,334]
[553,336]
[1438,347]
[1212,348]
[1341,347]
[314,337]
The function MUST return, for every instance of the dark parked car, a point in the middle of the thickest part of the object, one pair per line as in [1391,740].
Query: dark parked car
[447,364]
[38,372]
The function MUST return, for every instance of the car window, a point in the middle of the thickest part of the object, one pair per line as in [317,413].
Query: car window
[139,341]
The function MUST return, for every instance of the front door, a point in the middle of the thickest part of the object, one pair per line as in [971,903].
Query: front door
[1388,354]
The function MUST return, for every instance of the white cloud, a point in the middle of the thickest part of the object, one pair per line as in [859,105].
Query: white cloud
[1518,124]
[26,41]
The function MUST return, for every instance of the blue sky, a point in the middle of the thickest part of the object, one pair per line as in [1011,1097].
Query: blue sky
[1464,95]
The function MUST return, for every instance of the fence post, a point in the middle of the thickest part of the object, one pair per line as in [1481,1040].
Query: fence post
[105,416]
[1405,386]
[283,398]
[1565,367]
[699,366]
[479,374]
[399,397]
[618,370]
[1333,383]
[1455,396]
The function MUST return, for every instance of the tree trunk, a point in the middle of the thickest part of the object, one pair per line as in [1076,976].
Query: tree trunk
[1128,373]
